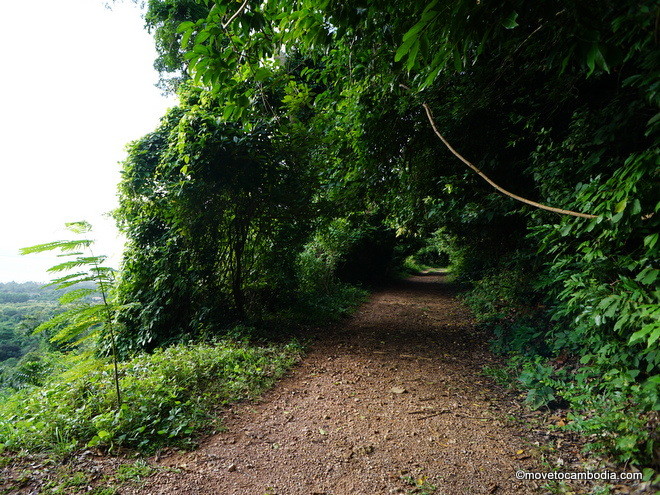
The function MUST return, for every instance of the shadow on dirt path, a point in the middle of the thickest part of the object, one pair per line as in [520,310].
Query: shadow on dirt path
[391,401]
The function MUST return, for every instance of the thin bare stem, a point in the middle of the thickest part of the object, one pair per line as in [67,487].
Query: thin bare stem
[236,14]
[114,346]
[111,328]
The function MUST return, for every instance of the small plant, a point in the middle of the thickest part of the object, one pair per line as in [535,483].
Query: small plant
[83,319]
[503,376]
[67,483]
[539,379]
[134,472]
[421,485]
[104,490]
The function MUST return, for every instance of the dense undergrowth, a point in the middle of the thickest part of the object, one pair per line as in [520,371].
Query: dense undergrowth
[67,400]
[168,397]
[606,397]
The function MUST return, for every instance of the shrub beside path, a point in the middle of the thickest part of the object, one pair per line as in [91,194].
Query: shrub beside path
[391,401]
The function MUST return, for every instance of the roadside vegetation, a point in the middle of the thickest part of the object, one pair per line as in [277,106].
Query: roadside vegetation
[168,398]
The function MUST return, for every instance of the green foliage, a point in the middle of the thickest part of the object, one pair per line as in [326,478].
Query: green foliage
[317,263]
[421,485]
[557,102]
[22,308]
[162,20]
[168,397]
[25,306]
[619,419]
[34,356]
[69,483]
[33,369]
[502,295]
[430,256]
[215,217]
[82,319]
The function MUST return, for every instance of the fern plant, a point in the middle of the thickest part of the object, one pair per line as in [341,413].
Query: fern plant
[84,317]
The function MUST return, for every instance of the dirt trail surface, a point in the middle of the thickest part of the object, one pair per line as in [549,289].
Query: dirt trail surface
[392,401]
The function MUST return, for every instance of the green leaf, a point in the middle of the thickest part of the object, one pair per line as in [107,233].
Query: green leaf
[404,49]
[627,442]
[458,61]
[651,240]
[620,206]
[414,30]
[70,265]
[591,56]
[412,55]
[430,6]
[65,246]
[75,295]
[80,227]
[510,21]
[228,112]
[261,74]
[104,435]
[616,218]
[184,26]
[185,39]
[201,37]
[647,276]
[595,58]
[586,358]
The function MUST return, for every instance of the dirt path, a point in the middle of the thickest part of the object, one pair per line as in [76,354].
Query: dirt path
[391,401]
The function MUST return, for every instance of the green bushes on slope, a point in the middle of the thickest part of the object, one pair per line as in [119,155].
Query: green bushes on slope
[168,397]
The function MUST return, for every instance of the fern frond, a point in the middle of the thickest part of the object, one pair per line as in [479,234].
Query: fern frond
[80,261]
[103,270]
[76,295]
[64,246]
[73,322]
[70,280]
[84,364]
[79,227]
[88,320]
[52,324]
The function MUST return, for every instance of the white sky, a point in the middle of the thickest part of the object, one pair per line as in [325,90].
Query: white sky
[76,86]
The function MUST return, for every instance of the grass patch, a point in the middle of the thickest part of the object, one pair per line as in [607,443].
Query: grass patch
[134,472]
[168,397]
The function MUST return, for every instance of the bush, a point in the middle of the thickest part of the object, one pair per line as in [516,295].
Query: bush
[609,388]
[167,397]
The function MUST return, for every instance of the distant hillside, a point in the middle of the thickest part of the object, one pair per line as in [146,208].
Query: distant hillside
[23,306]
